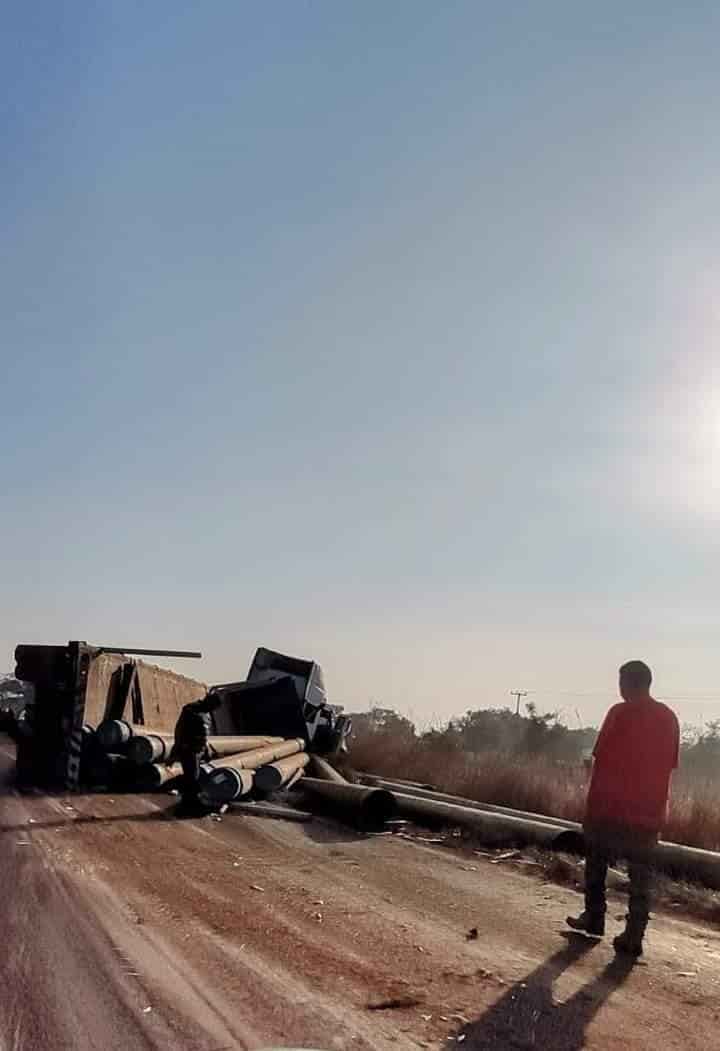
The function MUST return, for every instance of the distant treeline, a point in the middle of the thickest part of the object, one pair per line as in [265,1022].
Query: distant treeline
[501,732]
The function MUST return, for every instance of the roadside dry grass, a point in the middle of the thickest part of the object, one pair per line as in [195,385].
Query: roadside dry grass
[533,784]
[669,895]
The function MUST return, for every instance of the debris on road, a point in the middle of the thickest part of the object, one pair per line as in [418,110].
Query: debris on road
[394,1003]
[507,855]
[273,810]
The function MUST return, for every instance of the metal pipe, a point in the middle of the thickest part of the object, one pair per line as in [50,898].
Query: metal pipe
[376,779]
[234,776]
[149,748]
[155,747]
[325,771]
[141,652]
[294,779]
[371,807]
[689,863]
[272,810]
[262,756]
[114,734]
[474,804]
[676,859]
[274,775]
[493,828]
[225,784]
[154,776]
[230,745]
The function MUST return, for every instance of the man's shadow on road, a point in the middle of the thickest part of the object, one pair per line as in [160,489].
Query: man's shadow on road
[527,1017]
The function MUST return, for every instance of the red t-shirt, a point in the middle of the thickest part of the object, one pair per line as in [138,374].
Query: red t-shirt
[635,754]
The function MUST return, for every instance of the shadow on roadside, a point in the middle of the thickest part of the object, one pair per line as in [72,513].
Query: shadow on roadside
[325,830]
[527,1016]
[87,819]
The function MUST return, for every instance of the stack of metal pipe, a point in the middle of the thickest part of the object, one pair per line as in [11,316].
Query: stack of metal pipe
[255,771]
[121,755]
[131,756]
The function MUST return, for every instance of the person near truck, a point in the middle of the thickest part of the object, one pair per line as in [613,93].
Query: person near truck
[192,731]
[634,757]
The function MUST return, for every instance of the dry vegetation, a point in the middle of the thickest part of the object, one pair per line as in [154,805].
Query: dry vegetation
[669,895]
[529,783]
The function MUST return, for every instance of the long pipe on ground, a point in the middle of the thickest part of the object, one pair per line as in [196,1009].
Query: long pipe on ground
[272,776]
[690,863]
[155,748]
[473,804]
[376,779]
[371,807]
[492,828]
[325,771]
[272,810]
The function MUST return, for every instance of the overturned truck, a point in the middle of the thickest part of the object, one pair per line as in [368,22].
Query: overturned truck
[79,687]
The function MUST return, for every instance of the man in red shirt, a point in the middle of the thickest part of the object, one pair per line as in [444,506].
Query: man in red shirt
[635,755]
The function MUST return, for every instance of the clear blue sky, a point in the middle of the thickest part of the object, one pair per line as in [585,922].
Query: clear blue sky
[383,333]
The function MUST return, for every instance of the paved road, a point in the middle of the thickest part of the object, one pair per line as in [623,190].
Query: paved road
[125,929]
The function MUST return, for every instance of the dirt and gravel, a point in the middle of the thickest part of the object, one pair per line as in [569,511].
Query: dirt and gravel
[125,928]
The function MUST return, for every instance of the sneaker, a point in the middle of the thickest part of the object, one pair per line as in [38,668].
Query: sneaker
[626,945]
[587,923]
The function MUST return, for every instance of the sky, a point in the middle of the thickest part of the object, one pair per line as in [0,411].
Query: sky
[383,334]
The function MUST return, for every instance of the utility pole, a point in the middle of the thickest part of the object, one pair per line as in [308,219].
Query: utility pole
[518,694]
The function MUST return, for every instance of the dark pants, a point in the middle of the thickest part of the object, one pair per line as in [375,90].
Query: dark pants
[598,857]
[190,785]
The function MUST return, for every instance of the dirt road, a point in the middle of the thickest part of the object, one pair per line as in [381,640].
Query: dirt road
[124,928]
